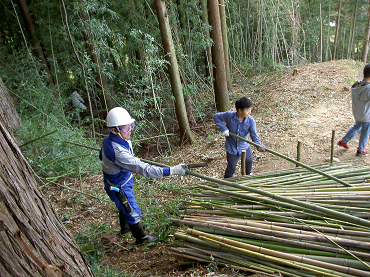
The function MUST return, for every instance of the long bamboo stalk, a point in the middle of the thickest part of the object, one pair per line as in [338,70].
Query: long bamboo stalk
[293,161]
[240,212]
[262,226]
[334,214]
[286,241]
[246,247]
[246,230]
[259,199]
[225,247]
[33,140]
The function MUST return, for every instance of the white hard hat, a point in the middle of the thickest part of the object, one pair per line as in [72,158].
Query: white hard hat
[118,116]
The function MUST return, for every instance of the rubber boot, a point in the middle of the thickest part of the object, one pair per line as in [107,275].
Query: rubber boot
[125,228]
[139,234]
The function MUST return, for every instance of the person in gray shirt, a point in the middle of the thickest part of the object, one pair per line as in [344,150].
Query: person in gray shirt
[361,111]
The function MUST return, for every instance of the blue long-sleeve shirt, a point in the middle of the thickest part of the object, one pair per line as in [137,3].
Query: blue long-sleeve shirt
[229,121]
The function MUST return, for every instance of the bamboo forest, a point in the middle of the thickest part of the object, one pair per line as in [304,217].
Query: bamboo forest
[74,173]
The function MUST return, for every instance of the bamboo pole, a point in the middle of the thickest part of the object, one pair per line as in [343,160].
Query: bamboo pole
[232,212]
[280,240]
[33,140]
[315,208]
[293,161]
[308,236]
[269,254]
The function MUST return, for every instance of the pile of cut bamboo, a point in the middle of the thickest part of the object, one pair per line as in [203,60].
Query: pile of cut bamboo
[292,222]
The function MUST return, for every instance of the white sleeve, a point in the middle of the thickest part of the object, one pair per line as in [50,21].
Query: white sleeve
[125,159]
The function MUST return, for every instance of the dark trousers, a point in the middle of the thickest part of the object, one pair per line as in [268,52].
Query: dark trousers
[232,160]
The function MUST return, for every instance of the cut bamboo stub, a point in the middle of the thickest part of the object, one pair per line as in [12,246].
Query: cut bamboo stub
[242,162]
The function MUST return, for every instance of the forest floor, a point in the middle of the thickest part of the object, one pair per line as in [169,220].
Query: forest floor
[306,108]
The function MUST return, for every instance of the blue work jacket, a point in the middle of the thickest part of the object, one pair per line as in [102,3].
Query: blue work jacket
[118,163]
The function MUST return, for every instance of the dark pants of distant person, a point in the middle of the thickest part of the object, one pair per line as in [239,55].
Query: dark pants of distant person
[232,160]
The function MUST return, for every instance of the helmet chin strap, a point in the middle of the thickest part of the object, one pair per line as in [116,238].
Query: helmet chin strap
[117,133]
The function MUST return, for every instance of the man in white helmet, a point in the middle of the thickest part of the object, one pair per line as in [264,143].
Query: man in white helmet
[119,162]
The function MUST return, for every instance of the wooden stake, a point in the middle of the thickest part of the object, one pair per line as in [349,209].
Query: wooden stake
[298,152]
[244,153]
[332,146]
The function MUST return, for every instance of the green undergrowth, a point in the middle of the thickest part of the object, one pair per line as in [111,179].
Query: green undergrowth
[89,241]
[159,201]
[56,151]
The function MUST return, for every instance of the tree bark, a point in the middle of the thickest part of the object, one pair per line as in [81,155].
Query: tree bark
[173,71]
[12,119]
[218,58]
[33,241]
[32,34]
[337,30]
[225,41]
[187,98]
[367,38]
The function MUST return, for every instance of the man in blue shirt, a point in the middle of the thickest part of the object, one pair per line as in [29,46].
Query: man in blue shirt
[119,164]
[241,123]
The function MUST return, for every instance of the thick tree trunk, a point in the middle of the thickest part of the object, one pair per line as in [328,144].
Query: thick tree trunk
[173,71]
[225,41]
[187,98]
[33,241]
[218,58]
[32,34]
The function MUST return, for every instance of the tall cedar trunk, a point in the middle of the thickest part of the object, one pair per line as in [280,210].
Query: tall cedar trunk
[225,42]
[173,71]
[34,242]
[187,99]
[102,84]
[208,53]
[32,34]
[218,58]
[367,38]
[337,30]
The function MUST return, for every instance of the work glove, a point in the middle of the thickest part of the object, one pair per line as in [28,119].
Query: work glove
[178,170]
[226,133]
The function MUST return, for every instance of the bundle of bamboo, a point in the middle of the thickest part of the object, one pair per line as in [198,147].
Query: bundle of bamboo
[293,222]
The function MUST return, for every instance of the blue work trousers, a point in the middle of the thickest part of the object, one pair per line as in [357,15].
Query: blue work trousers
[232,160]
[134,216]
[364,127]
